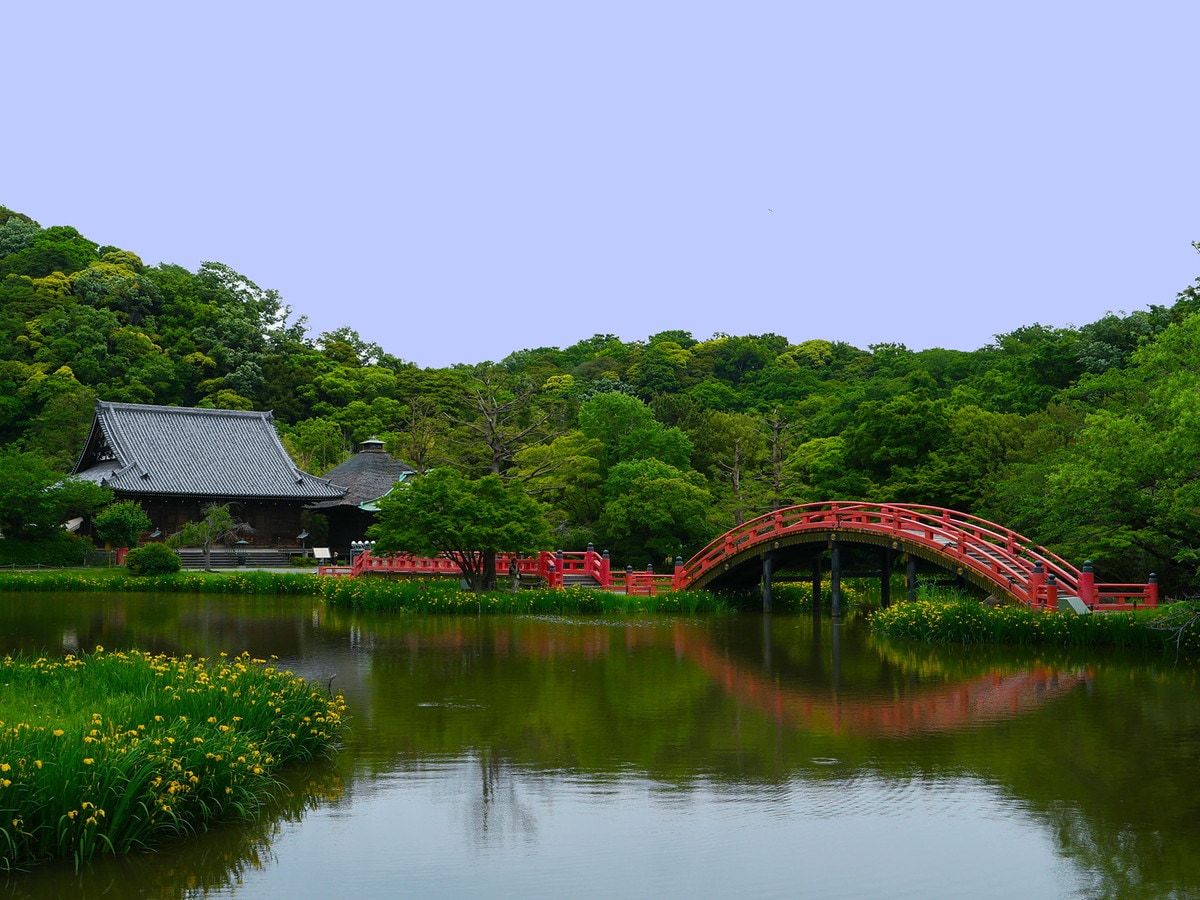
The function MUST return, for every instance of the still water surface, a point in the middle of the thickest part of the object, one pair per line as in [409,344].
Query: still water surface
[669,758]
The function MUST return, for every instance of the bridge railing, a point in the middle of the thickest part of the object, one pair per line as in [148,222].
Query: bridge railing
[642,583]
[550,566]
[583,563]
[1000,553]
[1003,556]
[953,533]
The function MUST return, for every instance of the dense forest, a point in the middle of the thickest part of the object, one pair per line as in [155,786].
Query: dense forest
[1086,439]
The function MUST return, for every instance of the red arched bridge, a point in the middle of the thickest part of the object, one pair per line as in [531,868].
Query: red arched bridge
[995,558]
[842,534]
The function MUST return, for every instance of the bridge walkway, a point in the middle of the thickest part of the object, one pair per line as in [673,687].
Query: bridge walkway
[990,555]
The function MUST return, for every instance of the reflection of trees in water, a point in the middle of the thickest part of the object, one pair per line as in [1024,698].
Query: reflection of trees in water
[498,816]
[735,701]
[1109,766]
[1123,862]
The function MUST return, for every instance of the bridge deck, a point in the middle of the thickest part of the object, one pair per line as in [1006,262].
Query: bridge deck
[1007,562]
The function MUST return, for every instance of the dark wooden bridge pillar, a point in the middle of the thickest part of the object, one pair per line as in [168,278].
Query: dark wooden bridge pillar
[910,577]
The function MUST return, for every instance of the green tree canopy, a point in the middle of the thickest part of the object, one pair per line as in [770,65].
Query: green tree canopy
[315,445]
[564,475]
[121,523]
[627,429]
[443,513]
[654,512]
[35,499]
[1125,491]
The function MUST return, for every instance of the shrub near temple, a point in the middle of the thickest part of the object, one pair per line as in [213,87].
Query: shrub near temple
[153,559]
[121,523]
[112,752]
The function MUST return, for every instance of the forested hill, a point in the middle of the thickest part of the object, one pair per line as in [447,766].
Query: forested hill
[1086,439]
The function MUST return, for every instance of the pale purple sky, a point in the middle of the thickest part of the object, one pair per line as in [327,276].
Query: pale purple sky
[458,180]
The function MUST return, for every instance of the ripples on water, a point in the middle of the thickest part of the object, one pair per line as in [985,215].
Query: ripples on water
[664,758]
[432,831]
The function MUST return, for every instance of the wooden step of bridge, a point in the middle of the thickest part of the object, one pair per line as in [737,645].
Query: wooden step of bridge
[571,579]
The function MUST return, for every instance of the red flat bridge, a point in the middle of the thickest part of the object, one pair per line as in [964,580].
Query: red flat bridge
[994,558]
[583,568]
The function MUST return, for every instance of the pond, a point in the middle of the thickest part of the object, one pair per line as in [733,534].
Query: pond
[772,757]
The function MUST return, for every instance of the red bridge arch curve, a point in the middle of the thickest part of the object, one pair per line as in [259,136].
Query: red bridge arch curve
[991,556]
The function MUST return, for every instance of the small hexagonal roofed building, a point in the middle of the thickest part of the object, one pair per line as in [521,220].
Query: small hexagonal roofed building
[370,475]
[176,461]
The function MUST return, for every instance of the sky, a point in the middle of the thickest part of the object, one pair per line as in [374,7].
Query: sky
[459,180]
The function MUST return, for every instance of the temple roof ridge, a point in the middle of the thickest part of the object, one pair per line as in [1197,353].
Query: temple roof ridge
[148,449]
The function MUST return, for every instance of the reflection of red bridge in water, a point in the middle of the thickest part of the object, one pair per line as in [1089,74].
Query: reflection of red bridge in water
[950,706]
[994,558]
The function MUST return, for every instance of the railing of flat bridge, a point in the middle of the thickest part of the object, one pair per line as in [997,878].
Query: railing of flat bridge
[1012,562]
[552,569]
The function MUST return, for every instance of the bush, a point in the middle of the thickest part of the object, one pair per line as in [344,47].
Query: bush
[153,559]
[58,548]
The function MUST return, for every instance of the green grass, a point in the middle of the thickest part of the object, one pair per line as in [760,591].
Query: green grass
[235,582]
[114,752]
[966,621]
[445,597]
[439,596]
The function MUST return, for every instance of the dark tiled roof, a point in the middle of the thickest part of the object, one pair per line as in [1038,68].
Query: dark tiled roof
[138,449]
[369,475]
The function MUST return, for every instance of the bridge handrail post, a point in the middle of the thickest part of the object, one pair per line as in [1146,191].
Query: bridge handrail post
[1037,578]
[1151,593]
[360,562]
[1087,584]
[1051,592]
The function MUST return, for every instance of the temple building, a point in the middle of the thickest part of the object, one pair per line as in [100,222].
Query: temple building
[369,475]
[177,461]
